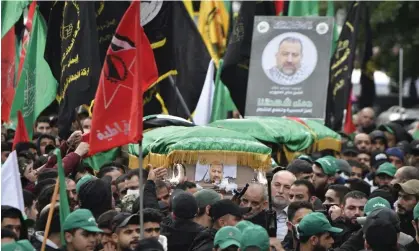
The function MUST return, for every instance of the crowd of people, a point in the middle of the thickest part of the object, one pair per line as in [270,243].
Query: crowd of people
[364,198]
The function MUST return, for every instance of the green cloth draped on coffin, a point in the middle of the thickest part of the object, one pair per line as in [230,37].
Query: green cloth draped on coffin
[326,137]
[207,144]
[148,138]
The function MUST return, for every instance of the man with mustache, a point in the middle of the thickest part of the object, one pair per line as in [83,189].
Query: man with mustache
[288,68]
[216,172]
[408,193]
[126,231]
[281,185]
[352,208]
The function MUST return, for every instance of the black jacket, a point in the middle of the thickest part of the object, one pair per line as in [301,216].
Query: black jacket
[348,229]
[406,224]
[180,233]
[204,241]
[413,246]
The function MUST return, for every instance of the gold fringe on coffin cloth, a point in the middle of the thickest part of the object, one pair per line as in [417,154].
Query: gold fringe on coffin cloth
[328,143]
[253,160]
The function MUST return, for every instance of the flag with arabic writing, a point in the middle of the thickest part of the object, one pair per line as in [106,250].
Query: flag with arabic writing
[129,69]
[37,87]
[72,51]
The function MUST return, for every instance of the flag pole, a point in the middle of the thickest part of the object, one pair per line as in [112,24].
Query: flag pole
[50,214]
[140,150]
[140,162]
[182,101]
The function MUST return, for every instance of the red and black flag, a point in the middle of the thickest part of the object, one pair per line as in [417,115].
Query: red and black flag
[83,31]
[129,69]
[341,66]
[235,70]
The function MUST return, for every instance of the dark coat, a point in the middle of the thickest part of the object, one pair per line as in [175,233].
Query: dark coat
[204,241]
[180,233]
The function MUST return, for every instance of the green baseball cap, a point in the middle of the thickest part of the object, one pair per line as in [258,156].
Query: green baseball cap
[374,203]
[83,180]
[227,236]
[242,225]
[23,245]
[81,218]
[416,212]
[316,223]
[387,168]
[328,164]
[206,197]
[255,236]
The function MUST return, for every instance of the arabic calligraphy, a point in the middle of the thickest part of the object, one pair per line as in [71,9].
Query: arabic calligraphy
[110,132]
[74,60]
[107,25]
[284,103]
[29,93]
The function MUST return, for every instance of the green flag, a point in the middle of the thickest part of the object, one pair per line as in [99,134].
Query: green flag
[303,8]
[98,160]
[37,86]
[222,102]
[331,13]
[64,206]
[10,14]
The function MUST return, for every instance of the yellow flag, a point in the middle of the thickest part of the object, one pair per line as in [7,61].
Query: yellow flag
[213,25]
[189,7]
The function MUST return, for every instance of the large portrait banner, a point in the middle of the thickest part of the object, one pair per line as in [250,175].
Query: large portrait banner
[289,67]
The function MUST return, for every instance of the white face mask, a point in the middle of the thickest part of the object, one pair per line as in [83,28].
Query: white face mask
[133,191]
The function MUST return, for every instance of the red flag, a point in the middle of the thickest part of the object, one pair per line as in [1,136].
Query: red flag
[349,126]
[279,6]
[128,70]
[21,134]
[26,36]
[8,56]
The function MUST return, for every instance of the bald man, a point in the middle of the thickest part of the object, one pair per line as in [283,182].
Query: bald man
[366,119]
[363,142]
[405,173]
[281,185]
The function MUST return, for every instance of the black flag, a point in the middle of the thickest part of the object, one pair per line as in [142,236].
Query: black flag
[367,96]
[235,70]
[340,85]
[180,52]
[76,63]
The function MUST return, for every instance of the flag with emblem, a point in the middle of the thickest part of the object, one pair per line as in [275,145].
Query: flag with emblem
[37,87]
[129,69]
[73,41]
[179,51]
[341,67]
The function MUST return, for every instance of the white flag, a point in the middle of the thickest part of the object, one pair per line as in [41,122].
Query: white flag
[204,107]
[11,187]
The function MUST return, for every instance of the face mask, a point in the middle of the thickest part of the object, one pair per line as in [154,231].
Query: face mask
[133,191]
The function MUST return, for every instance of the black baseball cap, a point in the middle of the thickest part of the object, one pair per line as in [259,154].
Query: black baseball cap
[377,134]
[378,158]
[381,228]
[349,147]
[184,205]
[124,219]
[414,147]
[226,206]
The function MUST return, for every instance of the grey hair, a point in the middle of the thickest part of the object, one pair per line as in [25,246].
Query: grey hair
[409,173]
[284,172]
[264,190]
[292,40]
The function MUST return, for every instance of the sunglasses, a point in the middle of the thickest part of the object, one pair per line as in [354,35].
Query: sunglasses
[150,230]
